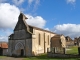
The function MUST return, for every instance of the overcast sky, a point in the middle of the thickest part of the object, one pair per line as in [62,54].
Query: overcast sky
[59,16]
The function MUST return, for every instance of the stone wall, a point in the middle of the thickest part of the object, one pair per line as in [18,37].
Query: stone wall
[21,34]
[15,49]
[45,38]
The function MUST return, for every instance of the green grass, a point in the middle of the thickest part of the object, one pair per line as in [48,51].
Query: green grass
[44,57]
[74,50]
[2,56]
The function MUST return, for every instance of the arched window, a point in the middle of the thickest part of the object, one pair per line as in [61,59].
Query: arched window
[19,45]
[39,39]
[48,39]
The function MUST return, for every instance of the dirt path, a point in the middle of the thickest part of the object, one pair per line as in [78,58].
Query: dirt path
[11,58]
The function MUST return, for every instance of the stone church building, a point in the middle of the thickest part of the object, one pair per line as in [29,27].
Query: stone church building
[28,40]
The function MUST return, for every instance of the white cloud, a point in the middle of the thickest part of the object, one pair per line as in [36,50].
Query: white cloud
[9,17]
[71,1]
[47,29]
[72,30]
[4,34]
[18,2]
[3,39]
[30,2]
[37,21]
[34,3]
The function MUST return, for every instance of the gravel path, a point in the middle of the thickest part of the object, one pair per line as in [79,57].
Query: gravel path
[11,58]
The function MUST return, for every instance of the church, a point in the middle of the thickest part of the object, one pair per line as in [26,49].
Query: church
[28,40]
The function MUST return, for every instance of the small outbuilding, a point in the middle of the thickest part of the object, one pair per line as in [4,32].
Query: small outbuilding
[69,41]
[3,48]
[58,44]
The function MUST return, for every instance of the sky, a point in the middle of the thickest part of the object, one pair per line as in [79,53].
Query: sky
[59,16]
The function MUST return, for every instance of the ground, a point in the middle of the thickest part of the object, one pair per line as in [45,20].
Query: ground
[9,58]
[37,58]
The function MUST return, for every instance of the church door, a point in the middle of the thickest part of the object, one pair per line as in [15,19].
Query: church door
[22,52]
[20,46]
[1,51]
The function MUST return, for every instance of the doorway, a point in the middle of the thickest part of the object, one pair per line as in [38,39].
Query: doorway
[22,52]
[1,51]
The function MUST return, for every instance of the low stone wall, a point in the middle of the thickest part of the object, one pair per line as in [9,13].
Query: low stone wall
[49,54]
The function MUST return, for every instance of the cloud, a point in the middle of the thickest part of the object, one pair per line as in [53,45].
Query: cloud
[9,17]
[72,30]
[71,1]
[47,29]
[34,3]
[18,2]
[37,21]
[3,39]
[4,34]
[30,2]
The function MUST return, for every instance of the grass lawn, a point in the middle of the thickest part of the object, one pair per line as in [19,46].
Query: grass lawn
[44,57]
[73,50]
[2,56]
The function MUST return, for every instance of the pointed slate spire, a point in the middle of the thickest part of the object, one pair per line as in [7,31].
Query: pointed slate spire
[22,16]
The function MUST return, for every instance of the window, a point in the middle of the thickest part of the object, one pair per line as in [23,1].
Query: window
[39,39]
[48,39]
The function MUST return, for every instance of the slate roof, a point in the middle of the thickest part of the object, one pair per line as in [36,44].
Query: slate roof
[68,39]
